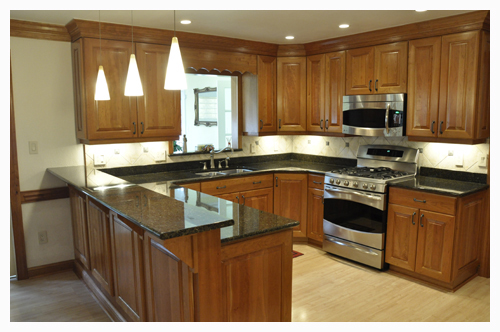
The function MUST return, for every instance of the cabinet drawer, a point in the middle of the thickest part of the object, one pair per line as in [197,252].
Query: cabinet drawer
[416,199]
[237,184]
[316,181]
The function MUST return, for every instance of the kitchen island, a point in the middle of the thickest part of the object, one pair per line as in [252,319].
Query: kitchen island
[192,257]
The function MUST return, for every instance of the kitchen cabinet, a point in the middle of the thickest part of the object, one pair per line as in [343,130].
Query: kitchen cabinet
[290,200]
[434,237]
[259,98]
[78,204]
[377,70]
[448,81]
[194,186]
[127,251]
[315,207]
[325,90]
[291,94]
[122,119]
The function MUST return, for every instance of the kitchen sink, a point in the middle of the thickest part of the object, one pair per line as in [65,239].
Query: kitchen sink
[235,171]
[208,174]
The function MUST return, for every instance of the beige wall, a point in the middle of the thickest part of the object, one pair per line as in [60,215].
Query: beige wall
[43,103]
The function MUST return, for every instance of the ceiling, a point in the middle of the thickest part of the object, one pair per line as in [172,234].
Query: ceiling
[258,25]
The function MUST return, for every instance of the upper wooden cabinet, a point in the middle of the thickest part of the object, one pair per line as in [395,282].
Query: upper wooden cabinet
[448,88]
[325,90]
[291,102]
[259,98]
[122,119]
[377,70]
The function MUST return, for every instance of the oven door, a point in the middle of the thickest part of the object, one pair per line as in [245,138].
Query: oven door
[355,216]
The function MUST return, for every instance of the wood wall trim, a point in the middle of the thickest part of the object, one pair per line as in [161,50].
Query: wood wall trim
[38,30]
[51,268]
[39,195]
[442,26]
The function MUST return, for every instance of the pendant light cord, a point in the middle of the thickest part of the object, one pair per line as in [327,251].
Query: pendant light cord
[132,20]
[174,23]
[100,48]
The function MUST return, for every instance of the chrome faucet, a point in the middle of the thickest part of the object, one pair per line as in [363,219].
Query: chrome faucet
[212,155]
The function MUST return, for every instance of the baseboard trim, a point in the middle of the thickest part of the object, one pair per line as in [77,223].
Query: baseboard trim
[50,268]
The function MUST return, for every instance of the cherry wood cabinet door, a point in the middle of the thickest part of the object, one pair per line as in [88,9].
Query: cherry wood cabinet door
[79,218]
[401,238]
[127,243]
[359,71]
[315,214]
[117,117]
[260,199]
[100,246]
[266,81]
[334,91]
[232,197]
[423,87]
[316,93]
[458,85]
[391,61]
[159,110]
[290,200]
[435,245]
[291,100]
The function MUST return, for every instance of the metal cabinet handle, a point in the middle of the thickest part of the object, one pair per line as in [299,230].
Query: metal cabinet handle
[279,124]
[243,199]
[432,126]
[316,182]
[370,85]
[142,124]
[261,124]
[238,199]
[134,127]
[326,124]
[387,118]
[221,187]
[257,182]
[420,201]
[376,88]
[138,201]
[413,215]
[421,223]
[276,182]
[441,127]
[321,124]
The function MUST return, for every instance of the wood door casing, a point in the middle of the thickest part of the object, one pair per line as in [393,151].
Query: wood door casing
[266,81]
[114,118]
[291,95]
[159,110]
[424,65]
[315,209]
[316,93]
[391,61]
[401,239]
[260,199]
[290,200]
[359,71]
[334,91]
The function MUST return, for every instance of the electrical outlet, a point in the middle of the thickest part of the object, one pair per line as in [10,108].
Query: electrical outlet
[421,150]
[33,147]
[99,160]
[346,144]
[327,143]
[275,146]
[459,159]
[252,148]
[42,237]
[308,141]
[160,156]
[483,161]
[145,149]
[117,151]
[256,142]
[450,153]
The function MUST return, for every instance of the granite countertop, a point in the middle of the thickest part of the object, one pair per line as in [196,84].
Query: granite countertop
[441,186]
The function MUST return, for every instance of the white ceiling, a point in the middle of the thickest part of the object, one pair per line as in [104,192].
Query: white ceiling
[259,25]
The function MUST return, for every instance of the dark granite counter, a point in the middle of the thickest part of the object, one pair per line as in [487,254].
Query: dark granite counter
[441,186]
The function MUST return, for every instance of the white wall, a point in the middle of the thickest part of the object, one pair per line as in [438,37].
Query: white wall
[44,112]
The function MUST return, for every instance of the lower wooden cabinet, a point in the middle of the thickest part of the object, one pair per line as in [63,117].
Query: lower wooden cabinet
[315,214]
[79,219]
[290,200]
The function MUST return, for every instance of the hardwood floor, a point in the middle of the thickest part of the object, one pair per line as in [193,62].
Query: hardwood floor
[325,289]
[330,289]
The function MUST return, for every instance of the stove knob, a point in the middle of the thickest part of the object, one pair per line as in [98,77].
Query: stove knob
[365,186]
[331,180]
[372,187]
[355,184]
[346,183]
[338,181]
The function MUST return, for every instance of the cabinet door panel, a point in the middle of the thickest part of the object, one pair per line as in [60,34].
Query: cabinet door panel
[80,229]
[159,110]
[291,104]
[315,214]
[391,61]
[290,200]
[401,239]
[316,93]
[266,79]
[423,87]
[359,71]
[457,100]
[435,245]
[334,91]
[261,199]
[114,118]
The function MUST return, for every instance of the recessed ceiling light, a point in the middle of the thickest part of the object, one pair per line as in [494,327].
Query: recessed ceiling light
[289,37]
[185,22]
[424,10]
[343,26]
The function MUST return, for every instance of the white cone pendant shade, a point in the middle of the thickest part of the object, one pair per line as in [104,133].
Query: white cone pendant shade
[133,86]
[101,86]
[176,77]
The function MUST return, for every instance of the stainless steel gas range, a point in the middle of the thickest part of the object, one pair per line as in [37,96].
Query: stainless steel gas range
[355,202]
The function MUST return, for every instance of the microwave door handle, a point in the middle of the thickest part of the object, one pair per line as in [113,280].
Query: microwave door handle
[387,118]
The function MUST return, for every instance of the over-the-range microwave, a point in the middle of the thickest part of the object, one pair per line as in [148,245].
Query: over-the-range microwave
[374,115]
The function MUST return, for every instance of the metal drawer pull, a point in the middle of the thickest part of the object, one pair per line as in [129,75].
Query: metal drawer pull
[370,85]
[257,182]
[421,216]
[316,182]
[221,187]
[142,124]
[238,199]
[134,128]
[243,199]
[321,124]
[413,215]
[276,182]
[261,124]
[326,124]
[376,81]
[432,126]
[417,200]
[441,127]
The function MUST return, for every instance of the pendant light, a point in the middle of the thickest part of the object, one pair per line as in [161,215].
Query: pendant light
[175,78]
[101,86]
[133,86]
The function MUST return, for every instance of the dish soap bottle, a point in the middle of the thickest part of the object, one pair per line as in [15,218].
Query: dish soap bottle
[184,144]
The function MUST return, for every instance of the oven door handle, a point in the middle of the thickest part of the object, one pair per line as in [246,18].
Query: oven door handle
[377,202]
[375,198]
[345,244]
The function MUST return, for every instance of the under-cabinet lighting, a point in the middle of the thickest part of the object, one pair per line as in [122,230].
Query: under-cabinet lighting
[344,26]
[289,37]
[423,10]
[185,22]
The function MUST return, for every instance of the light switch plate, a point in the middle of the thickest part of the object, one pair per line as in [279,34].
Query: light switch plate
[33,147]
[483,161]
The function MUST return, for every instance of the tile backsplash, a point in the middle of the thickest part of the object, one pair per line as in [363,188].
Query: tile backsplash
[435,155]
